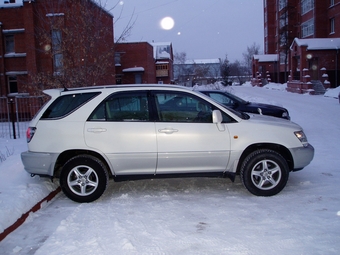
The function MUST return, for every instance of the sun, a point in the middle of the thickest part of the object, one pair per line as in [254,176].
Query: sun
[167,23]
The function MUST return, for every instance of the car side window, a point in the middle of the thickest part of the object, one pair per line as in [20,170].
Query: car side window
[221,98]
[131,106]
[66,104]
[182,107]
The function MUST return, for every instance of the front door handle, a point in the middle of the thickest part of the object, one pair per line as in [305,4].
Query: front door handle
[167,130]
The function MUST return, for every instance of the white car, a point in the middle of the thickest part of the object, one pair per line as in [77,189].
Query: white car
[85,136]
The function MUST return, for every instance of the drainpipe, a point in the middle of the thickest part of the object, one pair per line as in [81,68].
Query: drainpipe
[2,56]
[336,67]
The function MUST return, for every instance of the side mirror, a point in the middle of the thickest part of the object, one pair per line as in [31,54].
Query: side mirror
[217,117]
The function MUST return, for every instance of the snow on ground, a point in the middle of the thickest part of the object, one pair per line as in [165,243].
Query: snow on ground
[188,216]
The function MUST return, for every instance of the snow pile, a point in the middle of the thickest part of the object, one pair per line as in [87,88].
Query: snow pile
[189,216]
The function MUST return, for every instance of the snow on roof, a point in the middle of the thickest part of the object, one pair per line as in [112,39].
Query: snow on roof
[267,58]
[202,61]
[134,69]
[161,50]
[318,43]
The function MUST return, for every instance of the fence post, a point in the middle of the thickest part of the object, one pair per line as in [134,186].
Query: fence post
[12,115]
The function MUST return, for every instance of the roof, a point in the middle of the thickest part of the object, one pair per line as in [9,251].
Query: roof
[267,57]
[318,43]
[202,61]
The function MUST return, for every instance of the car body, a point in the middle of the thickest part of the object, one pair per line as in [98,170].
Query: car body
[239,104]
[85,136]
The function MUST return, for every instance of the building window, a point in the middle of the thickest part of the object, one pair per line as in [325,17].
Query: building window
[57,51]
[282,4]
[162,70]
[138,78]
[332,2]
[117,59]
[307,28]
[283,58]
[283,20]
[306,6]
[9,44]
[332,25]
[12,84]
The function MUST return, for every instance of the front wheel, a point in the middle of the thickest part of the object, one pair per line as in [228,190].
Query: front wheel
[264,172]
[83,178]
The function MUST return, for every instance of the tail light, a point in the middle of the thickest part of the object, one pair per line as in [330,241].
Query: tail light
[30,133]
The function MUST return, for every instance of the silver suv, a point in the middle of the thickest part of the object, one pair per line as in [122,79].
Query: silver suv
[86,136]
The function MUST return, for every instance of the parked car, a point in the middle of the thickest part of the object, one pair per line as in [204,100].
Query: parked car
[239,104]
[85,136]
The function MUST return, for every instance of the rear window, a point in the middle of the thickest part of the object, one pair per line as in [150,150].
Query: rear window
[64,105]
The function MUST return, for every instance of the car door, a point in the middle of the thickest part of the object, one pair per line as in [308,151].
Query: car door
[120,128]
[187,139]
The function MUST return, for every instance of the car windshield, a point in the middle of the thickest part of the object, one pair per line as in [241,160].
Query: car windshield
[236,98]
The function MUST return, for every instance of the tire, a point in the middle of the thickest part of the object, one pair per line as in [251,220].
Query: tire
[83,178]
[264,172]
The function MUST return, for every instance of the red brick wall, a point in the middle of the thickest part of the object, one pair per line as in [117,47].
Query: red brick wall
[136,55]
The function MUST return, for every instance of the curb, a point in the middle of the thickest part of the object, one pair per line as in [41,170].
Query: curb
[23,217]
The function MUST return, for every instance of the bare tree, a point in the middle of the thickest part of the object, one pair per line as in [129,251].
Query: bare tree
[238,72]
[285,34]
[225,71]
[252,50]
[179,65]
[76,42]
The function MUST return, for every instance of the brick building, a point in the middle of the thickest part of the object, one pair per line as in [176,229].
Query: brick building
[34,36]
[142,62]
[291,28]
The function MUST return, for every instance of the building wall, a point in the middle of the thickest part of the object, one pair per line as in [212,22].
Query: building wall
[322,13]
[135,55]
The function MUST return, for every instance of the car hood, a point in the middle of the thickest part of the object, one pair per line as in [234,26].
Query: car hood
[273,121]
[260,105]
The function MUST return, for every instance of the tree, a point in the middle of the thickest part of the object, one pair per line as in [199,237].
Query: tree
[179,65]
[75,41]
[225,71]
[238,71]
[252,50]
[285,36]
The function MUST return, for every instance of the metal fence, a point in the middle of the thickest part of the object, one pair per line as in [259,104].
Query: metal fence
[16,113]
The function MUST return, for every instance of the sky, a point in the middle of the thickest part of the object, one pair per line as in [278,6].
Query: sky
[205,29]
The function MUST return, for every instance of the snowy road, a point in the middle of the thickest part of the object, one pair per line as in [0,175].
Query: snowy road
[206,216]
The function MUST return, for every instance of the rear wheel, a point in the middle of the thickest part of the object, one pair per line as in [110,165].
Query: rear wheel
[264,172]
[83,178]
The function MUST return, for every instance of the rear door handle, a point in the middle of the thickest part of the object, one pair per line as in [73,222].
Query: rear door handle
[167,130]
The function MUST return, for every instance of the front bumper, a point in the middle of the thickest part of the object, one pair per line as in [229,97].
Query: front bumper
[39,163]
[302,156]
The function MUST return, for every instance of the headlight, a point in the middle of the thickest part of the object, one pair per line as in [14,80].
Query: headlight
[302,137]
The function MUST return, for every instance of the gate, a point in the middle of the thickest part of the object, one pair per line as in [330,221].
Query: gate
[16,113]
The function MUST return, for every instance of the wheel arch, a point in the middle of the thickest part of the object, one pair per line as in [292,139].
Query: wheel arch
[283,151]
[66,155]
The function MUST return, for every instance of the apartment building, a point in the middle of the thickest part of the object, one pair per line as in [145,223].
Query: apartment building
[292,29]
